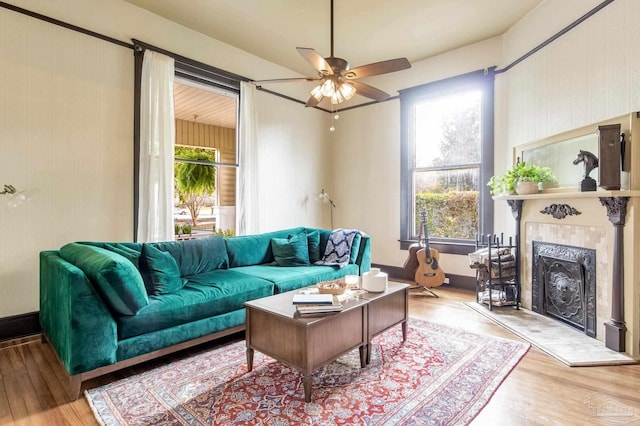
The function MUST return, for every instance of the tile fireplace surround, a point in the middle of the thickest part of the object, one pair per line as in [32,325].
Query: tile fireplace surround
[592,228]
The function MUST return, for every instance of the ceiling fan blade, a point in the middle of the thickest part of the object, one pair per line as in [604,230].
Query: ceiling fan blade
[286,80]
[312,101]
[369,91]
[317,62]
[377,68]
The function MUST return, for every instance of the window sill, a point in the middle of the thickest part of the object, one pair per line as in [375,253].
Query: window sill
[461,248]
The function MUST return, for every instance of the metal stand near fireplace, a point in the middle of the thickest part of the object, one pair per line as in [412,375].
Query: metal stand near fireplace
[496,262]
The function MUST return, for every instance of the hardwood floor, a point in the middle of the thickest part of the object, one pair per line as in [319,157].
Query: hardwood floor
[540,390]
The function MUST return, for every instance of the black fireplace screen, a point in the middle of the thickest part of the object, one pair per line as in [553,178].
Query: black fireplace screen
[564,284]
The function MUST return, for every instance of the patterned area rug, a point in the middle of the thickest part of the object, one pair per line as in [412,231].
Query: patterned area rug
[439,376]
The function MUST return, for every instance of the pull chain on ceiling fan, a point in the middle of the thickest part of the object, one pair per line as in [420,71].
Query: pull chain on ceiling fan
[337,81]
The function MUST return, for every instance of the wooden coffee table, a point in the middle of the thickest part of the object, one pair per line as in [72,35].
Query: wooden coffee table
[386,310]
[274,328]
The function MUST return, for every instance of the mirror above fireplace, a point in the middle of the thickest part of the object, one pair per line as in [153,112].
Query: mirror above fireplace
[559,151]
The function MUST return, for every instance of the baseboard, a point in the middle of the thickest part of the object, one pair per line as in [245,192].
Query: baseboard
[19,326]
[456,281]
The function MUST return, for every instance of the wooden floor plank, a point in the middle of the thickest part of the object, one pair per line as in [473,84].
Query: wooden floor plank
[5,411]
[539,391]
[15,402]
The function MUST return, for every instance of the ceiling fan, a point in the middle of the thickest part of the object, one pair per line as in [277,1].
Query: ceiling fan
[337,81]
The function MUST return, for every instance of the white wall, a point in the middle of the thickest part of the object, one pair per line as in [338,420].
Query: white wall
[293,167]
[66,116]
[66,131]
[588,75]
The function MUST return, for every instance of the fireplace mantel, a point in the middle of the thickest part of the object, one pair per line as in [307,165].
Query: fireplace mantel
[564,194]
[616,205]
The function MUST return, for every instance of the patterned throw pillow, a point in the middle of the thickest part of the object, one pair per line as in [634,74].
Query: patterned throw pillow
[338,250]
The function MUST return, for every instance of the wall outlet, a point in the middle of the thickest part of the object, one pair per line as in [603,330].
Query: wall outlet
[446,280]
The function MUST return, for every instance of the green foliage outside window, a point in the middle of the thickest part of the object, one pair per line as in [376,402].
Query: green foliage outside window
[452,214]
[194,182]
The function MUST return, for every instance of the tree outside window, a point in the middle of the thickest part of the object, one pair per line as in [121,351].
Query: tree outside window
[195,180]
[447,147]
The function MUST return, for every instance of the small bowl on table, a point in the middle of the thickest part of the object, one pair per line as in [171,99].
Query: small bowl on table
[332,287]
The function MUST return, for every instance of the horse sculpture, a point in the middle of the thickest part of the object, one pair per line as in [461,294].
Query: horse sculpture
[590,162]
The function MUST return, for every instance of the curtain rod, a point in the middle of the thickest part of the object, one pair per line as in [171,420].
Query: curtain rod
[556,35]
[65,25]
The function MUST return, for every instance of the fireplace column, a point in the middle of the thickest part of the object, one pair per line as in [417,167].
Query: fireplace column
[516,211]
[615,328]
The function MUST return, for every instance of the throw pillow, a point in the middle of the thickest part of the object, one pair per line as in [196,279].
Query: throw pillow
[163,270]
[339,249]
[313,239]
[313,242]
[116,278]
[292,251]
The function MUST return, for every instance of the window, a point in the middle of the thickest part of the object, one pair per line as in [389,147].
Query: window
[206,109]
[205,160]
[447,157]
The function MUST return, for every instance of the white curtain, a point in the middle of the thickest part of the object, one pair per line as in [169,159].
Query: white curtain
[247,200]
[157,140]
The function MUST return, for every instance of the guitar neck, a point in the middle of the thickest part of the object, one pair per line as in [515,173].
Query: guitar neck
[424,235]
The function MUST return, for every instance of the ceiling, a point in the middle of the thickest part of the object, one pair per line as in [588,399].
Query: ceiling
[365,31]
[192,103]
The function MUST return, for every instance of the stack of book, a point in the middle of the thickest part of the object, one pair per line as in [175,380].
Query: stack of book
[316,304]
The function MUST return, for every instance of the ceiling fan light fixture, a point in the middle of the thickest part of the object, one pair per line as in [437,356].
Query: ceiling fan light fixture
[328,88]
[317,93]
[347,90]
[337,98]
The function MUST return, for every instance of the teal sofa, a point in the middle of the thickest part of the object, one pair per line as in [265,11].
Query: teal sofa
[106,306]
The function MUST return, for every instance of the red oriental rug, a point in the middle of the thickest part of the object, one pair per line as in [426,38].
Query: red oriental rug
[439,376]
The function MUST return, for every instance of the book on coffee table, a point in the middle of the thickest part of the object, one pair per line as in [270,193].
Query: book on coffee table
[318,309]
[312,299]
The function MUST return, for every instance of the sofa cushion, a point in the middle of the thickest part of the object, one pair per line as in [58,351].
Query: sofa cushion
[116,278]
[293,278]
[198,255]
[313,242]
[205,295]
[254,249]
[292,251]
[163,270]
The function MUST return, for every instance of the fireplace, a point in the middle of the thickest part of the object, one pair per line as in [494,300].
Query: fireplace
[564,284]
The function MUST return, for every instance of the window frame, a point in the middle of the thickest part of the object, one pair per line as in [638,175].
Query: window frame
[482,80]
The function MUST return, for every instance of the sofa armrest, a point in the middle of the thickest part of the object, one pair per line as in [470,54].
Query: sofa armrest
[73,317]
[364,254]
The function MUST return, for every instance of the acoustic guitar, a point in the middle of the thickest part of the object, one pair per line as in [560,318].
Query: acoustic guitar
[411,263]
[429,274]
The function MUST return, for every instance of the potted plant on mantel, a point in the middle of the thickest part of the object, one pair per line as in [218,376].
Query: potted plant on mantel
[521,179]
